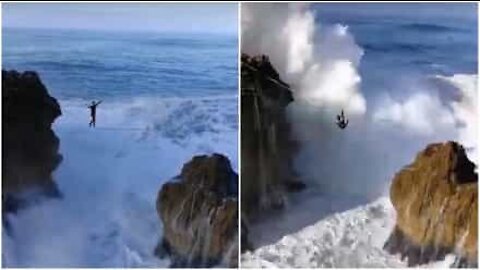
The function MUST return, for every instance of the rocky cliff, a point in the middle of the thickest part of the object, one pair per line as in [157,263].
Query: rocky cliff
[199,211]
[30,147]
[266,145]
[436,200]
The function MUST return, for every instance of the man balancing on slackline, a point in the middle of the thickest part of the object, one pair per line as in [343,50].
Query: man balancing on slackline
[93,112]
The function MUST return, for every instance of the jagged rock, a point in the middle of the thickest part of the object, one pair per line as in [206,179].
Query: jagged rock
[266,145]
[436,200]
[30,147]
[199,211]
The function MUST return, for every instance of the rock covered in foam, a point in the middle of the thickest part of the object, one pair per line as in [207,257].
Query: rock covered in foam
[30,147]
[199,211]
[436,199]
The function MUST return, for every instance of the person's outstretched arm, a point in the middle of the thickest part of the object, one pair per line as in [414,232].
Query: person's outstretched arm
[99,102]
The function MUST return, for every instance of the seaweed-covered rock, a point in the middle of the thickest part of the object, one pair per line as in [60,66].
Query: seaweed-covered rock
[436,200]
[30,147]
[199,211]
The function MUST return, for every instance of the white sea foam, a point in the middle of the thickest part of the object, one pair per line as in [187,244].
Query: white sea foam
[464,106]
[345,169]
[110,177]
[450,105]
[352,238]
[319,63]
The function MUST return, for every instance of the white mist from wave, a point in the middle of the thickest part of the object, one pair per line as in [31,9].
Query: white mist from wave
[465,111]
[323,70]
[348,168]
[451,105]
[110,177]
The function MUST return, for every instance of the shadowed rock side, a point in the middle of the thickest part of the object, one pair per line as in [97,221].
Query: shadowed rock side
[199,211]
[436,200]
[266,146]
[30,147]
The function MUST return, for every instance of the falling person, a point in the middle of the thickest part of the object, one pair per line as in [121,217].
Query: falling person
[342,122]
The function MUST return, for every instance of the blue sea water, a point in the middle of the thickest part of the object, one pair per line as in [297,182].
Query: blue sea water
[405,42]
[166,98]
[94,64]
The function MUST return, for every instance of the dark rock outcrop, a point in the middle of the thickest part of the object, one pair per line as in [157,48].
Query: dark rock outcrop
[199,211]
[30,147]
[436,200]
[245,243]
[266,144]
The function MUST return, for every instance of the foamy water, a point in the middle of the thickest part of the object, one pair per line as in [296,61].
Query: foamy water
[351,239]
[164,101]
[404,78]
[110,177]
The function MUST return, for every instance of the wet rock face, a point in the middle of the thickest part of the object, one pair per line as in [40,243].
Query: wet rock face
[30,147]
[436,200]
[199,211]
[266,144]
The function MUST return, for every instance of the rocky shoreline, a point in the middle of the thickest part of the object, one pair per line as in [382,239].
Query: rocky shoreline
[199,213]
[30,146]
[267,147]
[436,200]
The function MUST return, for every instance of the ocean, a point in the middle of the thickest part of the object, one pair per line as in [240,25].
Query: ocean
[166,97]
[405,75]
[404,43]
[90,64]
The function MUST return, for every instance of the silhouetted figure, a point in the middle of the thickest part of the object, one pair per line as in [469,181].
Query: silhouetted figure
[342,122]
[93,113]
